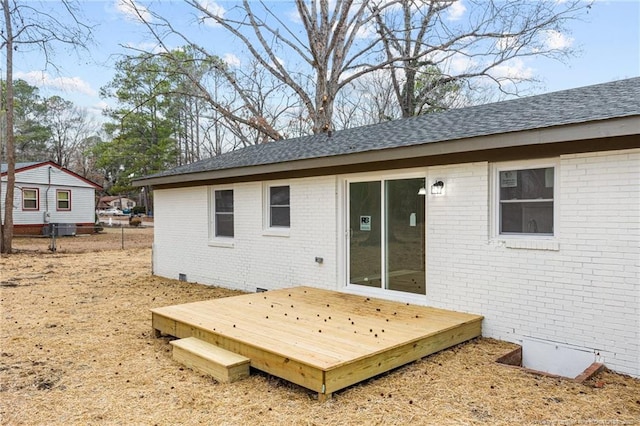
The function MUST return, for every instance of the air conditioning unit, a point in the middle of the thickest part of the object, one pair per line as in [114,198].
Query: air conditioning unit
[60,229]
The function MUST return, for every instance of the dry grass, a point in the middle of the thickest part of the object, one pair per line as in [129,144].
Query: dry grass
[109,239]
[76,347]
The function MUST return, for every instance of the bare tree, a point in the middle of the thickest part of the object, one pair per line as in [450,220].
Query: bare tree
[6,228]
[421,43]
[368,100]
[31,25]
[83,160]
[70,126]
[436,43]
[331,54]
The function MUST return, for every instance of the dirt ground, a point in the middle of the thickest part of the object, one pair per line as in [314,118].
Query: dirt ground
[76,347]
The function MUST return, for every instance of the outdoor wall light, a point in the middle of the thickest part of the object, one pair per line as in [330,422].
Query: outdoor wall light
[438,187]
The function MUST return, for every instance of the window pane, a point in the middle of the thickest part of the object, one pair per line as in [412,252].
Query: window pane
[224,201]
[405,235]
[365,234]
[224,225]
[530,184]
[280,216]
[224,213]
[279,195]
[527,218]
[63,200]
[29,199]
[279,211]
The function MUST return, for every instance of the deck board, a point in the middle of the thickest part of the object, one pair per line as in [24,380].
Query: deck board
[320,339]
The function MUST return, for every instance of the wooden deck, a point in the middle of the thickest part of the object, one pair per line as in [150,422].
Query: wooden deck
[322,340]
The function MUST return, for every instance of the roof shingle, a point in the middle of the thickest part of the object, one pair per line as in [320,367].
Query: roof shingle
[592,103]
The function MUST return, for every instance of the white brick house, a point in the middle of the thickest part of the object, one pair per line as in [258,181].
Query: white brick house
[537,227]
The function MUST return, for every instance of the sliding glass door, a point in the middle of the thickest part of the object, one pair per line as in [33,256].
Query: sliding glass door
[386,247]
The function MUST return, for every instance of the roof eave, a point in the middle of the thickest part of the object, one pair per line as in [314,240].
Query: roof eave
[624,126]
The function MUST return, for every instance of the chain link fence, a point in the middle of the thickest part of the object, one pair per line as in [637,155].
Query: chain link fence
[114,234]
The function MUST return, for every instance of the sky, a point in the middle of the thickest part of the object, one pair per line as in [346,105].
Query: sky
[607,41]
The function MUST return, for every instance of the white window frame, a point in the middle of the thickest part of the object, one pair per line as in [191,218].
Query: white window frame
[268,230]
[68,200]
[495,199]
[343,194]
[216,240]
[37,199]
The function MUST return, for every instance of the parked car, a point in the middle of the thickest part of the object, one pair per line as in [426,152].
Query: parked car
[113,211]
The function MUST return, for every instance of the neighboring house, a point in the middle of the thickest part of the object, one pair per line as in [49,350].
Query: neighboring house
[122,203]
[46,193]
[525,211]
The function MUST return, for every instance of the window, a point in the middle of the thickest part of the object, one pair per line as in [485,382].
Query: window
[223,213]
[30,199]
[279,209]
[526,201]
[63,199]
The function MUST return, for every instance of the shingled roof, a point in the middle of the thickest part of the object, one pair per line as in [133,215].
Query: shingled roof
[606,101]
[5,167]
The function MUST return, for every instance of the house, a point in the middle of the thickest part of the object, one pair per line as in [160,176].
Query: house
[46,193]
[116,201]
[525,211]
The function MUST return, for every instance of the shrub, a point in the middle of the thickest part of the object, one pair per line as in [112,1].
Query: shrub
[135,221]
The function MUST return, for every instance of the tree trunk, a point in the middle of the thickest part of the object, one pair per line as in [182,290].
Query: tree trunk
[7,234]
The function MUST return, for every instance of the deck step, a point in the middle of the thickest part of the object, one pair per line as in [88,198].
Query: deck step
[221,364]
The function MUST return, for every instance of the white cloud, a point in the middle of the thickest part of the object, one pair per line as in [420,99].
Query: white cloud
[97,110]
[214,9]
[145,47]
[133,11]
[67,84]
[515,69]
[556,40]
[507,43]
[459,64]
[456,10]
[100,106]
[453,63]
[279,60]
[294,16]
[231,60]
[367,31]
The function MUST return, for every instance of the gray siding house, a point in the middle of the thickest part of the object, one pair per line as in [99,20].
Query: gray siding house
[46,193]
